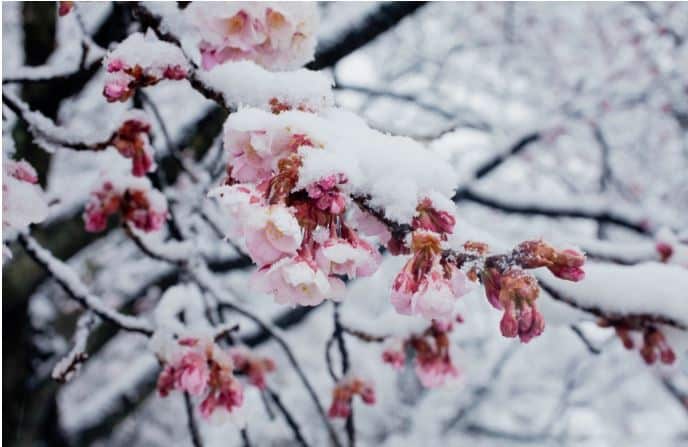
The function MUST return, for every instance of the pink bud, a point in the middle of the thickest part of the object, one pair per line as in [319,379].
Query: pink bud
[665,251]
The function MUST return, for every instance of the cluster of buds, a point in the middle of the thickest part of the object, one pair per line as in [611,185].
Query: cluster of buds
[278,106]
[514,291]
[130,66]
[133,198]
[132,141]
[432,354]
[654,345]
[23,202]
[253,366]
[565,264]
[199,367]
[429,285]
[344,392]
[510,288]
[276,36]
[300,238]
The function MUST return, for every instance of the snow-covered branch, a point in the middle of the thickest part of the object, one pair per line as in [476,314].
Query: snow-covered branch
[76,289]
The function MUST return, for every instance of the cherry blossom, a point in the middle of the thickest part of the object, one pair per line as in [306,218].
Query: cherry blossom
[254,366]
[196,365]
[274,35]
[133,198]
[141,61]
[433,362]
[132,141]
[271,232]
[344,392]
[298,280]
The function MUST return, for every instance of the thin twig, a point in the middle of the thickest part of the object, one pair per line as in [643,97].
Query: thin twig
[191,420]
[296,430]
[68,366]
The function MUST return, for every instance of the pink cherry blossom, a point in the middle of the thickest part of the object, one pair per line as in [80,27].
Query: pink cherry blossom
[327,195]
[432,219]
[254,154]
[338,256]
[298,280]
[435,298]
[370,225]
[272,232]
[403,289]
[394,354]
[435,371]
[278,36]
[133,198]
[344,392]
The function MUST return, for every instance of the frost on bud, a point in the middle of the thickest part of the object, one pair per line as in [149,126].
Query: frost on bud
[276,36]
[431,219]
[23,200]
[141,61]
[344,392]
[133,198]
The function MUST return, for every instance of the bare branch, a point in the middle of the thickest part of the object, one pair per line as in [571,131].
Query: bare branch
[368,29]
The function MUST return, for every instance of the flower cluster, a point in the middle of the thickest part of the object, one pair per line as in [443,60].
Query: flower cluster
[432,354]
[429,285]
[133,198]
[300,238]
[344,392]
[654,345]
[510,288]
[23,202]
[199,367]
[255,367]
[141,61]
[275,35]
[132,141]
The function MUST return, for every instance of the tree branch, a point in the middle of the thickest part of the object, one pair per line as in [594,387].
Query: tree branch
[70,282]
[368,29]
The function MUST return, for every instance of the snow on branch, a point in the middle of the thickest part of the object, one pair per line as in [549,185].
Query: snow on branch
[651,293]
[592,207]
[245,83]
[69,365]
[76,289]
